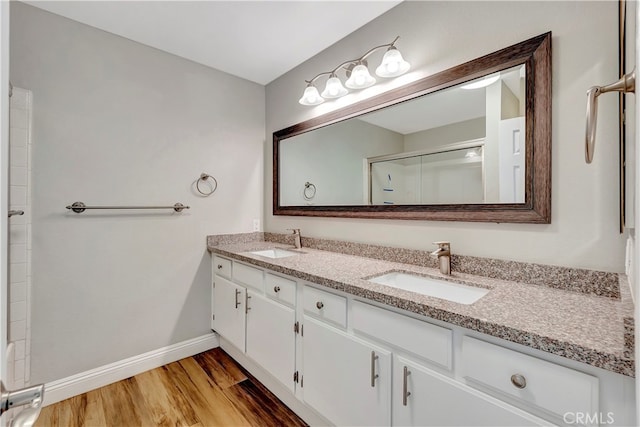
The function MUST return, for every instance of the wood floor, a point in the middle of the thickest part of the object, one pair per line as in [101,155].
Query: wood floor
[208,389]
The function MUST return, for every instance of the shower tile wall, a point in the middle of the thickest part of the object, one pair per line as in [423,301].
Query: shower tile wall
[20,237]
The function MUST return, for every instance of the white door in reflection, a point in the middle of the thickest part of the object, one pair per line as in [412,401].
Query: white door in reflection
[512,160]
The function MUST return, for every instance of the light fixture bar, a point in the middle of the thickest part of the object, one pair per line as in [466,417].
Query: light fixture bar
[352,61]
[392,65]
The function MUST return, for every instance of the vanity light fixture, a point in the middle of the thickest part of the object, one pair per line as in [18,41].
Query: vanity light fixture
[334,88]
[393,64]
[358,76]
[311,96]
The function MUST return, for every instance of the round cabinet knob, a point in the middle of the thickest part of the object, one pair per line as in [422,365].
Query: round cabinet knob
[519,381]
[276,289]
[319,305]
[219,266]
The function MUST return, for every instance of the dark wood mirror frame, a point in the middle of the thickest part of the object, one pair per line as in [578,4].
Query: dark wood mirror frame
[535,53]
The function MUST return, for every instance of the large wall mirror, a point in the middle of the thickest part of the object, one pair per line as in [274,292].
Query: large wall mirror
[472,143]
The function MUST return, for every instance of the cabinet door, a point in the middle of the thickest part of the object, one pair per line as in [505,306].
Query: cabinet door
[270,337]
[433,399]
[346,379]
[229,311]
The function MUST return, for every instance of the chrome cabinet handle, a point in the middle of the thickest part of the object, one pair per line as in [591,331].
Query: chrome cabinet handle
[246,303]
[15,212]
[374,357]
[237,302]
[219,266]
[519,381]
[405,393]
[319,305]
[276,289]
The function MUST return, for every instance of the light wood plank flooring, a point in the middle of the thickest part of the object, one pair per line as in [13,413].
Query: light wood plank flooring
[208,389]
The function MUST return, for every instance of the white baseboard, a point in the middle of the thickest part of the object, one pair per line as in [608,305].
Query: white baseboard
[83,382]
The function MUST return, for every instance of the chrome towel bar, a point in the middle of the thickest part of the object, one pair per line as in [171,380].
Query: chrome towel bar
[626,84]
[79,207]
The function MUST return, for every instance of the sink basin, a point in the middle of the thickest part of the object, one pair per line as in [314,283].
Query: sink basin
[450,291]
[275,253]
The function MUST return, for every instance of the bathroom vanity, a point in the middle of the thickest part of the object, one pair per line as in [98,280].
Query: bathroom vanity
[338,344]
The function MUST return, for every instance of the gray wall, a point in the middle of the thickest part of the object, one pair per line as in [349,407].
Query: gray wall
[116,122]
[438,35]
[343,147]
[445,135]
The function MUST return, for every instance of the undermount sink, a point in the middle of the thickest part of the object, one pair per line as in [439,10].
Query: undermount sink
[275,253]
[443,289]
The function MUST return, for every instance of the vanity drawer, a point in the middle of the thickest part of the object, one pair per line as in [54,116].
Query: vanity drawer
[247,275]
[536,382]
[222,266]
[425,340]
[281,289]
[326,306]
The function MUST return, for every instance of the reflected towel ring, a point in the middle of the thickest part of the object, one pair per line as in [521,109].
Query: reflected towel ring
[309,191]
[203,178]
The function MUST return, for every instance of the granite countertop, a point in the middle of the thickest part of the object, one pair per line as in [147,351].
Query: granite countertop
[588,328]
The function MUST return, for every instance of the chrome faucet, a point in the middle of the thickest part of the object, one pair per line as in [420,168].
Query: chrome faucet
[444,256]
[297,237]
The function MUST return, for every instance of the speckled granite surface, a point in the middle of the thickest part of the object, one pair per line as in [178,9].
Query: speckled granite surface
[573,279]
[589,328]
[227,239]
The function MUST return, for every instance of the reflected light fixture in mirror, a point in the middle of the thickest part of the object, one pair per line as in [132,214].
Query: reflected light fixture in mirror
[473,152]
[487,81]
[358,76]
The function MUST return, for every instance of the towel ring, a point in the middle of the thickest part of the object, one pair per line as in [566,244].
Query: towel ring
[309,191]
[203,178]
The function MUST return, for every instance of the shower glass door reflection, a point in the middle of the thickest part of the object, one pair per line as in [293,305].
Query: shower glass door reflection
[448,177]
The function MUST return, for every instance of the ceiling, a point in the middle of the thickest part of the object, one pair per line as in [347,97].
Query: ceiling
[255,40]
[442,108]
[427,112]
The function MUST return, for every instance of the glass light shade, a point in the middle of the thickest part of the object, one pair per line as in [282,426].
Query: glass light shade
[482,82]
[360,78]
[311,96]
[334,88]
[392,64]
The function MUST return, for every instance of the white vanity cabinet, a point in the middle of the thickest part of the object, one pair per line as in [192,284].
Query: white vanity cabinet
[346,379]
[552,388]
[348,361]
[423,397]
[229,318]
[271,337]
[259,325]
